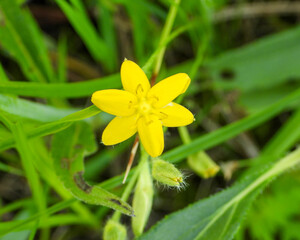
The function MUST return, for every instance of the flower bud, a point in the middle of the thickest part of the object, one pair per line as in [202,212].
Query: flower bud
[114,231]
[142,200]
[166,173]
[202,164]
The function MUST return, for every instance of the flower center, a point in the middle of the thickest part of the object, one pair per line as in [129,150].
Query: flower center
[144,107]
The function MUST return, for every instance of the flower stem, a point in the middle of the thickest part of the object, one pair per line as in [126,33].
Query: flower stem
[165,34]
[131,158]
[197,63]
[200,162]
[144,157]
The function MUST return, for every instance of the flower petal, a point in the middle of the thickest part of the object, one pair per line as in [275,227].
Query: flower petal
[133,78]
[119,129]
[168,89]
[175,115]
[115,102]
[151,135]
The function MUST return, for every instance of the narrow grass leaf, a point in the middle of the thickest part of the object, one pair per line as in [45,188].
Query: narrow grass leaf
[27,156]
[80,21]
[20,36]
[60,90]
[53,127]
[8,227]
[3,76]
[62,60]
[32,110]
[286,137]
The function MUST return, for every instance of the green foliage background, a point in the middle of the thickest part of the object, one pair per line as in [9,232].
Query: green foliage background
[57,181]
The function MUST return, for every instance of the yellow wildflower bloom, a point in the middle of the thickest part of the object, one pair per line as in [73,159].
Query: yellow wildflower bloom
[143,109]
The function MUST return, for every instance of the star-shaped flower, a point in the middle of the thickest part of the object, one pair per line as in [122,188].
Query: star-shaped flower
[143,109]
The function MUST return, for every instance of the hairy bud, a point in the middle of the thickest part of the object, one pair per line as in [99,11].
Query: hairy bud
[166,173]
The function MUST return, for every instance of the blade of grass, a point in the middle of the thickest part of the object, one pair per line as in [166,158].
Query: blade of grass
[32,110]
[52,221]
[139,18]
[13,226]
[286,137]
[61,62]
[107,29]
[44,164]
[49,128]
[27,163]
[46,173]
[21,37]
[27,157]
[11,170]
[165,33]
[61,90]
[80,21]
[3,76]
[15,205]
[34,230]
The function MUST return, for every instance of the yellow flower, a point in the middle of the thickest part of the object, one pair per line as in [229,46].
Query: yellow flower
[143,109]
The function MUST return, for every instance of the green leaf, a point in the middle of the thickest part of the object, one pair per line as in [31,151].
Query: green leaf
[20,36]
[219,217]
[27,159]
[259,65]
[23,235]
[31,110]
[275,212]
[61,90]
[4,133]
[141,23]
[53,127]
[3,76]
[258,99]
[43,163]
[285,137]
[52,221]
[15,225]
[68,150]
[106,27]
[62,60]
[80,21]
[231,130]
[248,77]
[15,205]
[9,169]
